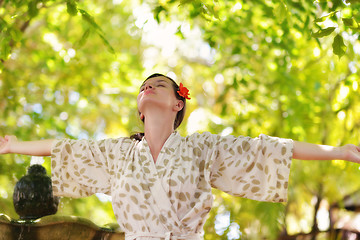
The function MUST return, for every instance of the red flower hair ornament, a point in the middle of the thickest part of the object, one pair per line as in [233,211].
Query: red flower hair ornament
[183,91]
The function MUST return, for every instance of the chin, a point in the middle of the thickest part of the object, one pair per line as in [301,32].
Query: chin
[152,104]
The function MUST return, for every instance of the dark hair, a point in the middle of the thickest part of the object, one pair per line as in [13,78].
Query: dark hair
[179,116]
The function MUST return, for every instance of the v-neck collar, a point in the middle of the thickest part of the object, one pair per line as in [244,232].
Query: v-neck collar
[157,185]
[172,140]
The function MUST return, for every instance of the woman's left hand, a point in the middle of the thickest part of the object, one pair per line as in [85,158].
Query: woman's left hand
[351,153]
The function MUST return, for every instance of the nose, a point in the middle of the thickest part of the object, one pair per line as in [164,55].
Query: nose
[148,86]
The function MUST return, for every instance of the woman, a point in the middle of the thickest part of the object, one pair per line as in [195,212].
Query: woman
[160,182]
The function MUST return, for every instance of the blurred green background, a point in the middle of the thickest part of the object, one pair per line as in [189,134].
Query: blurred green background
[283,68]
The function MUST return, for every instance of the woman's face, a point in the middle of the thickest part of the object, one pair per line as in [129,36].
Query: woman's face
[157,92]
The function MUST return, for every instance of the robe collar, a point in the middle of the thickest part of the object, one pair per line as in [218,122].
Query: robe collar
[171,141]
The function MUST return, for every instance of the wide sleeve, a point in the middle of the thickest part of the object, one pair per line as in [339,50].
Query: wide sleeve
[254,168]
[80,168]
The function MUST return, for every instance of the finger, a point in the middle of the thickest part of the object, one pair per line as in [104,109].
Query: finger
[357,159]
[9,137]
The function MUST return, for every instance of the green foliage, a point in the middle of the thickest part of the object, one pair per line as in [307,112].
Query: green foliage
[71,7]
[351,23]
[339,47]
[51,87]
[325,17]
[323,32]
[72,69]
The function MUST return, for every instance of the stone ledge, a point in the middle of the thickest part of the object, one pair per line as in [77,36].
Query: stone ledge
[57,228]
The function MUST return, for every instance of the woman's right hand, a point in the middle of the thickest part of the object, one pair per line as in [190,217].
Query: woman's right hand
[6,142]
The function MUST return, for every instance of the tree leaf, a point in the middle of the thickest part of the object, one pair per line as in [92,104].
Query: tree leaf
[84,38]
[280,11]
[107,44]
[157,12]
[71,7]
[323,32]
[16,34]
[323,18]
[5,49]
[90,19]
[32,8]
[351,1]
[179,33]
[338,45]
[3,24]
[209,9]
[350,22]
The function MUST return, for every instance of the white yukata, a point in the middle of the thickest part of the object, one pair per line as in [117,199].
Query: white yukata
[171,198]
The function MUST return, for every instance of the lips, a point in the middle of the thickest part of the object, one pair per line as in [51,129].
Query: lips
[148,91]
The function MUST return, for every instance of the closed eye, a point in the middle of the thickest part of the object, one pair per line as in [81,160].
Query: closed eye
[159,83]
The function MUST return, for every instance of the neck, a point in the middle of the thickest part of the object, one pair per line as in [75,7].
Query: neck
[158,128]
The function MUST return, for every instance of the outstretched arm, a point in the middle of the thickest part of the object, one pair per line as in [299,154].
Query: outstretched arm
[309,151]
[10,144]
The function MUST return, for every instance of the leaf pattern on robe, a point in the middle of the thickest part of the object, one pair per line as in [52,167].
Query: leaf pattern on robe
[173,194]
